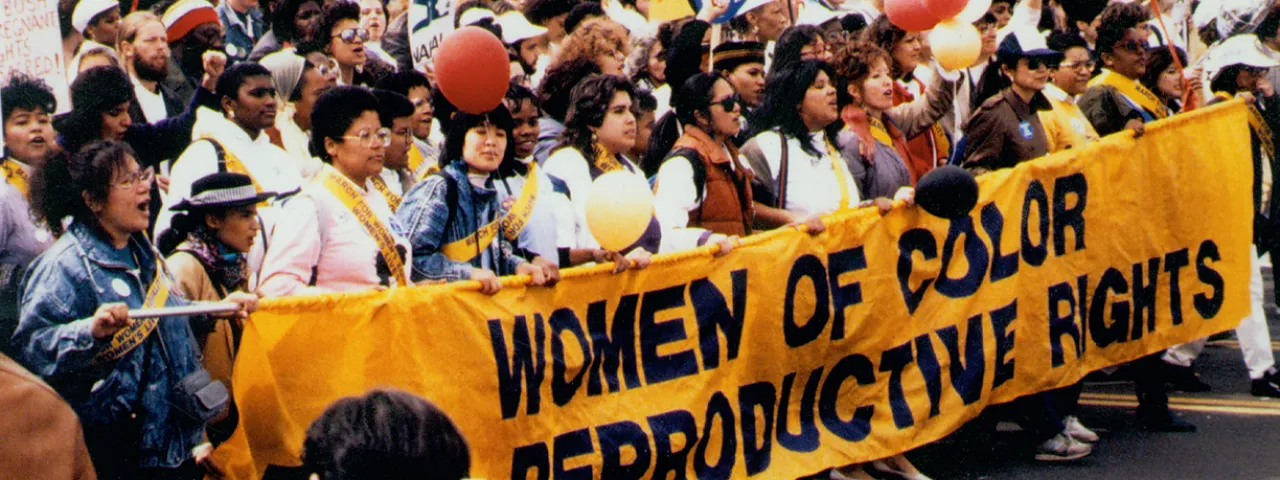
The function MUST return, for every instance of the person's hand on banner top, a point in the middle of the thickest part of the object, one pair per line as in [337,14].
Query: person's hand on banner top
[536,273]
[248,304]
[489,283]
[549,268]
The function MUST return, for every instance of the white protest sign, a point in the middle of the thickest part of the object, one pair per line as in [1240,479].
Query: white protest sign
[31,43]
[429,22]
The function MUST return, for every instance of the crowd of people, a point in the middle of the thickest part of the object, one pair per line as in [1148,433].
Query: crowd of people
[230,152]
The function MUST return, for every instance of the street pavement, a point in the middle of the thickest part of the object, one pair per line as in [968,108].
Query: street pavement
[1238,434]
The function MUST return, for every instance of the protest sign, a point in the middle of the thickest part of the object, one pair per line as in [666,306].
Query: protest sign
[793,353]
[31,43]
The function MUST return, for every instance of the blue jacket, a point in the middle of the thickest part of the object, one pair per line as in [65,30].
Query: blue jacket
[240,37]
[60,294]
[424,214]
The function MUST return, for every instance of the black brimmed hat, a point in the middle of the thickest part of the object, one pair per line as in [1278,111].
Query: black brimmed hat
[731,55]
[222,190]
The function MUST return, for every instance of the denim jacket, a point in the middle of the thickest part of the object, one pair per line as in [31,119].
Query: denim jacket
[424,214]
[60,294]
[240,38]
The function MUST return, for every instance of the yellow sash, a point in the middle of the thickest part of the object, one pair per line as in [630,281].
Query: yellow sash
[837,164]
[380,185]
[128,338]
[415,158]
[1257,123]
[1134,91]
[606,162]
[350,196]
[16,176]
[466,248]
[234,165]
[879,132]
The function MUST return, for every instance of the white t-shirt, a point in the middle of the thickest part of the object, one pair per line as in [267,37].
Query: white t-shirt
[812,185]
[152,104]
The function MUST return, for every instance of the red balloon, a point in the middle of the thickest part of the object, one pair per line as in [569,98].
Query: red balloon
[945,9]
[910,15]
[472,69]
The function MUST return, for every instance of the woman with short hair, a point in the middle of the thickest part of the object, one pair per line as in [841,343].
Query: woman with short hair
[338,234]
[75,331]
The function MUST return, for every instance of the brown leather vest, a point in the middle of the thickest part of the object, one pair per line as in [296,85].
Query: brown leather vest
[726,206]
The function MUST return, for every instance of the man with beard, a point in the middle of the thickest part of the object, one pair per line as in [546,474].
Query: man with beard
[144,51]
[234,140]
[192,29]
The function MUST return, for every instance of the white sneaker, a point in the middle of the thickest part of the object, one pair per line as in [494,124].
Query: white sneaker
[1077,430]
[898,466]
[1062,448]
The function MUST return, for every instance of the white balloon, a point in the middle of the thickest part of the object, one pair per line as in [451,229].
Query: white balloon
[974,11]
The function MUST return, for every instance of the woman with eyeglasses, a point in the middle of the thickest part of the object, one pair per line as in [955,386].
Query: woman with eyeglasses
[1116,99]
[703,175]
[1066,125]
[341,37]
[299,82]
[801,42]
[459,228]
[75,331]
[339,233]
[1006,129]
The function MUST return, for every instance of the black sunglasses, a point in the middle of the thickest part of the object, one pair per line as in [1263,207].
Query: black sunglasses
[728,103]
[1034,63]
[1134,45]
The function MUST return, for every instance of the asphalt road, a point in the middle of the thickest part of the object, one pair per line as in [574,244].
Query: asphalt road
[1238,434]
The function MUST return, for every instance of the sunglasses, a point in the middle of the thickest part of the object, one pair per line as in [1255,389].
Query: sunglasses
[1134,45]
[349,35]
[729,102]
[1034,63]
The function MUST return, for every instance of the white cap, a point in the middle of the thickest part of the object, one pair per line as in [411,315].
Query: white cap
[750,5]
[813,12]
[516,28]
[474,15]
[1233,16]
[87,9]
[1238,50]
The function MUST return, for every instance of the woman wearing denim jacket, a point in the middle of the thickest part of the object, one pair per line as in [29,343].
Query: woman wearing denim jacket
[451,207]
[76,298]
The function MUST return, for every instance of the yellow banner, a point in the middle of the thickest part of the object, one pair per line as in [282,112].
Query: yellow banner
[793,352]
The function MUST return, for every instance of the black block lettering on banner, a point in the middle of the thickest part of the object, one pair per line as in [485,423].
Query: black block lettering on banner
[667,460]
[911,241]
[522,364]
[531,457]
[1069,218]
[757,446]
[843,296]
[567,446]
[927,361]
[562,390]
[858,426]
[966,377]
[712,312]
[1002,327]
[718,411]
[1208,306]
[1103,334]
[1144,296]
[1003,265]
[1033,253]
[1062,322]
[796,335]
[615,436]
[613,346]
[659,368]
[807,439]
[975,253]
[894,360]
[1174,262]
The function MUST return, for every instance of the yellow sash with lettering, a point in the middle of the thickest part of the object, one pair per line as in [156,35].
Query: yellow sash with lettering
[466,248]
[128,338]
[380,185]
[837,164]
[416,160]
[347,193]
[879,132]
[1257,123]
[606,162]
[16,176]
[234,165]
[1134,91]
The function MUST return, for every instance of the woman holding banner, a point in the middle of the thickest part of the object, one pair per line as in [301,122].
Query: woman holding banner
[338,234]
[121,376]
[453,218]
[599,126]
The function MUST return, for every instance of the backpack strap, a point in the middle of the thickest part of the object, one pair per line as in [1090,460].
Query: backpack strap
[220,152]
[699,169]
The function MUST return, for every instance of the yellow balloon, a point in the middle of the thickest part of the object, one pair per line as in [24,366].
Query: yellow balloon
[619,209]
[955,44]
